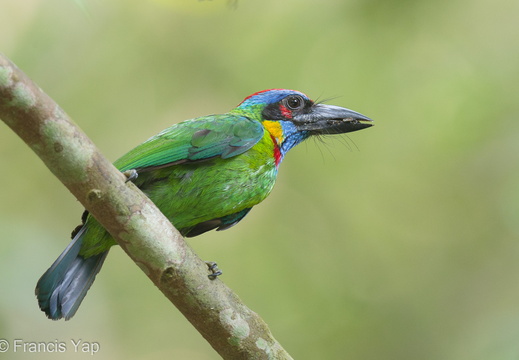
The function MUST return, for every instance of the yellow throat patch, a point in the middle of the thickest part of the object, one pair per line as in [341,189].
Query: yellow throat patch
[275,129]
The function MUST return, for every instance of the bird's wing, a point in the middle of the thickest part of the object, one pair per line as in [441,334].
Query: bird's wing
[194,140]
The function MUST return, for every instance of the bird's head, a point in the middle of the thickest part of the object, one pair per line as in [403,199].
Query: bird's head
[290,116]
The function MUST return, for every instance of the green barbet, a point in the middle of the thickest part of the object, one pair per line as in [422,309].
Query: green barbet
[203,174]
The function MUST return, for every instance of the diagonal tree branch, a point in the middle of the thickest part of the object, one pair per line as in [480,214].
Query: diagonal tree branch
[232,329]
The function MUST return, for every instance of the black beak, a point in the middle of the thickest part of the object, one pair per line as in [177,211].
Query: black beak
[330,119]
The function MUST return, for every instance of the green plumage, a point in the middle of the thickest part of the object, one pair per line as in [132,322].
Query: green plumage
[193,140]
[196,172]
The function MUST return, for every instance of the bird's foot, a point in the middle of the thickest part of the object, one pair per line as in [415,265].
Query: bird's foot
[213,268]
[83,221]
[131,175]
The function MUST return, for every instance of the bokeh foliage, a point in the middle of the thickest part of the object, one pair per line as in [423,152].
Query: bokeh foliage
[397,242]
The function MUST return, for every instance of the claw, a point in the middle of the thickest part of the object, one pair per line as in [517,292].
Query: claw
[215,271]
[131,175]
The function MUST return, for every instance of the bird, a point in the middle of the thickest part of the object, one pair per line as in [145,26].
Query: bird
[203,174]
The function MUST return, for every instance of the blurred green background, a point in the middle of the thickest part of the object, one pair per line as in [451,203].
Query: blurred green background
[396,242]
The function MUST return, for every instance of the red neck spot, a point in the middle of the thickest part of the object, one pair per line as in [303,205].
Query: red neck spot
[277,152]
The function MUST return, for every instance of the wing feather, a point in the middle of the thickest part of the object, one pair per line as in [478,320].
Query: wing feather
[194,140]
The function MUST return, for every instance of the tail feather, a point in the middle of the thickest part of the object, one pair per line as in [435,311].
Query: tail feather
[63,286]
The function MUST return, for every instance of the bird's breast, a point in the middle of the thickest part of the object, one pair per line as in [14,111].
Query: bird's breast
[192,193]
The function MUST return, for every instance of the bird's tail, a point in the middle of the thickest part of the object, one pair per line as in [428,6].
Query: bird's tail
[63,286]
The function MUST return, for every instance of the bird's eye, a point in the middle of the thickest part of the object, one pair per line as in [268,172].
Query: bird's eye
[294,102]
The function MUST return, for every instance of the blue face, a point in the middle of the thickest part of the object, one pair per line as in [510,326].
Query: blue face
[275,108]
